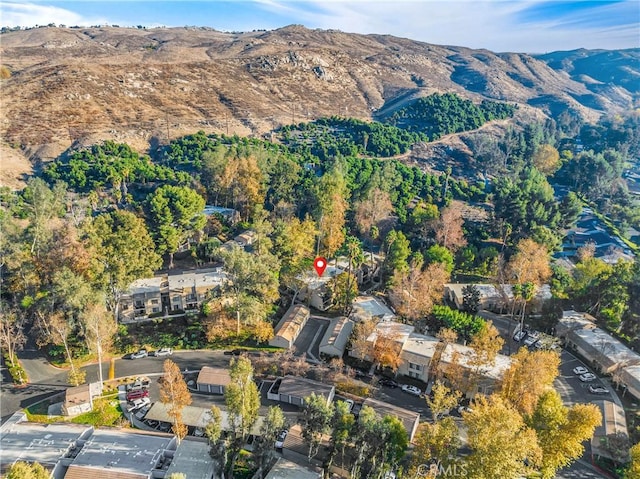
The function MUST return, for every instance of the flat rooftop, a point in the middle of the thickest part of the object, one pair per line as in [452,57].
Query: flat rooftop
[192,459]
[368,306]
[302,387]
[44,443]
[215,376]
[127,452]
[285,469]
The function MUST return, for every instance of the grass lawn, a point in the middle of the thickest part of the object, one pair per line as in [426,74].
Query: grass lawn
[106,412]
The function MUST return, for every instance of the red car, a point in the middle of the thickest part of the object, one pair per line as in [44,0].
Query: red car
[137,394]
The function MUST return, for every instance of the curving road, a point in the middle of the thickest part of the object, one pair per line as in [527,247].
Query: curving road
[46,380]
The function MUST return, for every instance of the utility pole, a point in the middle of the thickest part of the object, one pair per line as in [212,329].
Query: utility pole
[166,119]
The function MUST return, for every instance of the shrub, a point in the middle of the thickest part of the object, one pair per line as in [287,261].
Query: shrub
[17,372]
[354,388]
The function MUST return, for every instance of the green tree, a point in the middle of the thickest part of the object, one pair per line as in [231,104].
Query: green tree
[315,420]
[471,298]
[439,254]
[123,251]
[242,399]
[633,469]
[342,424]
[176,214]
[41,205]
[252,284]
[397,254]
[264,445]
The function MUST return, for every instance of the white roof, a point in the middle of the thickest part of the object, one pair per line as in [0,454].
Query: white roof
[596,341]
[285,469]
[314,281]
[207,278]
[491,291]
[496,371]
[370,307]
[419,345]
[398,331]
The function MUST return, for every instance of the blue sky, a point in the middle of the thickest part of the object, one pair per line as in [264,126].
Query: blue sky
[500,25]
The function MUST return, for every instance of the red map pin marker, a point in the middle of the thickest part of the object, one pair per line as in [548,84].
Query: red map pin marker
[320,264]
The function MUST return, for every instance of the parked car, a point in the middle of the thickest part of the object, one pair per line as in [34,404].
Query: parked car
[519,336]
[137,394]
[413,390]
[236,352]
[198,432]
[585,378]
[280,441]
[139,383]
[142,353]
[142,412]
[598,389]
[580,370]
[532,337]
[390,383]
[162,352]
[138,403]
[462,409]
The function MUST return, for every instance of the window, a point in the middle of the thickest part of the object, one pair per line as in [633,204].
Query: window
[154,301]
[139,304]
[413,374]
[176,307]
[417,367]
[156,310]
[176,299]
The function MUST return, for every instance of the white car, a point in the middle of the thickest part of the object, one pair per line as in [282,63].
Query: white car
[580,370]
[280,440]
[411,390]
[138,403]
[519,336]
[139,354]
[162,352]
[585,378]
[598,389]
[532,337]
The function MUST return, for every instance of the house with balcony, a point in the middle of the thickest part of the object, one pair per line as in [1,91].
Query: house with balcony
[169,294]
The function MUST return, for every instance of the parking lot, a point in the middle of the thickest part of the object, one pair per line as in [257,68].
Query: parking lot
[308,341]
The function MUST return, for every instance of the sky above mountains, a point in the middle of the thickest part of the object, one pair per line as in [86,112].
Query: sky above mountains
[531,26]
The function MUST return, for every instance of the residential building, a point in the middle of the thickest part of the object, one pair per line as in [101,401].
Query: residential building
[316,291]
[74,451]
[213,380]
[294,390]
[230,215]
[335,339]
[410,419]
[370,307]
[285,469]
[496,298]
[605,353]
[629,378]
[171,293]
[289,326]
[613,421]
[417,355]
[423,357]
[79,399]
[192,459]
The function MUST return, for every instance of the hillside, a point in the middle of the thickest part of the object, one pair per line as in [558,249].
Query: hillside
[77,86]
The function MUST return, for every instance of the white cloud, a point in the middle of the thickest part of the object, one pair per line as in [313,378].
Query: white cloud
[495,25]
[30,14]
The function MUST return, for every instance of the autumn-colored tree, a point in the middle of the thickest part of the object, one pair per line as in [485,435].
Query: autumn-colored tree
[241,183]
[528,377]
[530,263]
[360,347]
[502,446]
[414,292]
[331,194]
[458,374]
[386,349]
[448,228]
[561,431]
[442,400]
[370,211]
[633,469]
[23,470]
[485,346]
[175,395]
[546,159]
[435,443]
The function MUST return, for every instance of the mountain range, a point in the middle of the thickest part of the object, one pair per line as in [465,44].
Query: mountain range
[74,86]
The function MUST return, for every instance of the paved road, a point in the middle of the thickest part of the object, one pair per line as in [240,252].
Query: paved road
[47,380]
